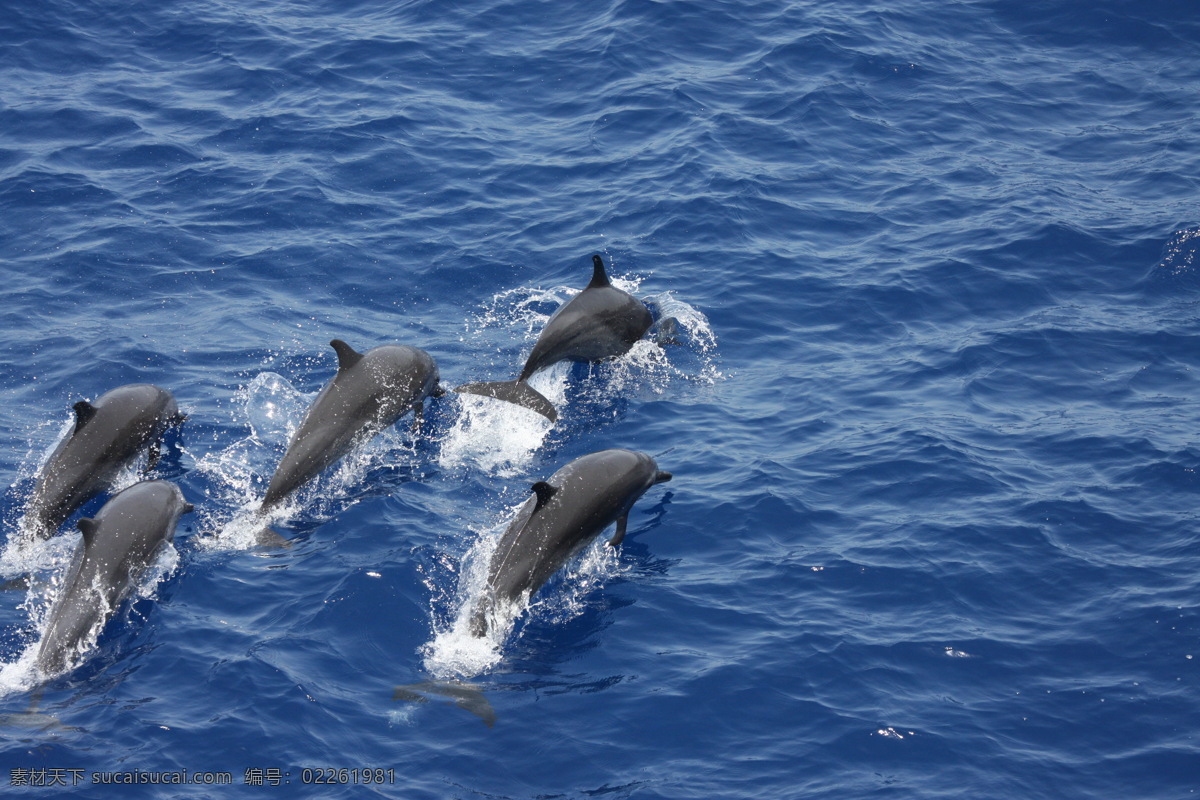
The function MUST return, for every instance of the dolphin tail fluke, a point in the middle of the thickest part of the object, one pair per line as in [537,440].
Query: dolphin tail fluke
[517,392]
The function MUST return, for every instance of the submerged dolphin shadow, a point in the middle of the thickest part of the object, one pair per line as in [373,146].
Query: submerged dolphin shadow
[467,696]
[34,721]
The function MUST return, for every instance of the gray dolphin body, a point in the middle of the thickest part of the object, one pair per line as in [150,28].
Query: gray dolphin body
[370,392]
[109,434]
[117,546]
[598,323]
[564,515]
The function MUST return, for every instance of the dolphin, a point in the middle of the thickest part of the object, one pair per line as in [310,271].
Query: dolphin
[565,513]
[117,546]
[370,392]
[598,323]
[108,435]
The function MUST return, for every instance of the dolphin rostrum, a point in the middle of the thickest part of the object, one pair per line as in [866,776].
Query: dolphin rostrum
[117,546]
[565,513]
[598,323]
[370,392]
[108,435]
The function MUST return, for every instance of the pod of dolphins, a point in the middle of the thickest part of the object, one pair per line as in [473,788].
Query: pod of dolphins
[370,392]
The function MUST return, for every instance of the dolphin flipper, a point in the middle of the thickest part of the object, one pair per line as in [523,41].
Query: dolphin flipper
[517,392]
[622,523]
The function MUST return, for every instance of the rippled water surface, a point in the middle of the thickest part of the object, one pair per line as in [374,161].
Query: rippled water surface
[930,406]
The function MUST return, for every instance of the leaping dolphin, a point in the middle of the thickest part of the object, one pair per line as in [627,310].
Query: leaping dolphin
[565,513]
[117,546]
[108,435]
[369,392]
[598,323]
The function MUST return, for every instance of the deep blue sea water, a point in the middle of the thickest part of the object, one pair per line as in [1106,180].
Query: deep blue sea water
[934,529]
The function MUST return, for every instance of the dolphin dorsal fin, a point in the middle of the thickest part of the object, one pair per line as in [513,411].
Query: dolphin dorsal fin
[88,527]
[84,411]
[347,357]
[599,276]
[544,492]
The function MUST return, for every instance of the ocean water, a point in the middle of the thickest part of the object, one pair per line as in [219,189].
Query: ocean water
[931,409]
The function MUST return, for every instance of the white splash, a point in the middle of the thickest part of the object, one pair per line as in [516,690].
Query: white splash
[42,562]
[692,324]
[272,409]
[499,437]
[454,651]
[20,676]
[53,560]
[1180,252]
